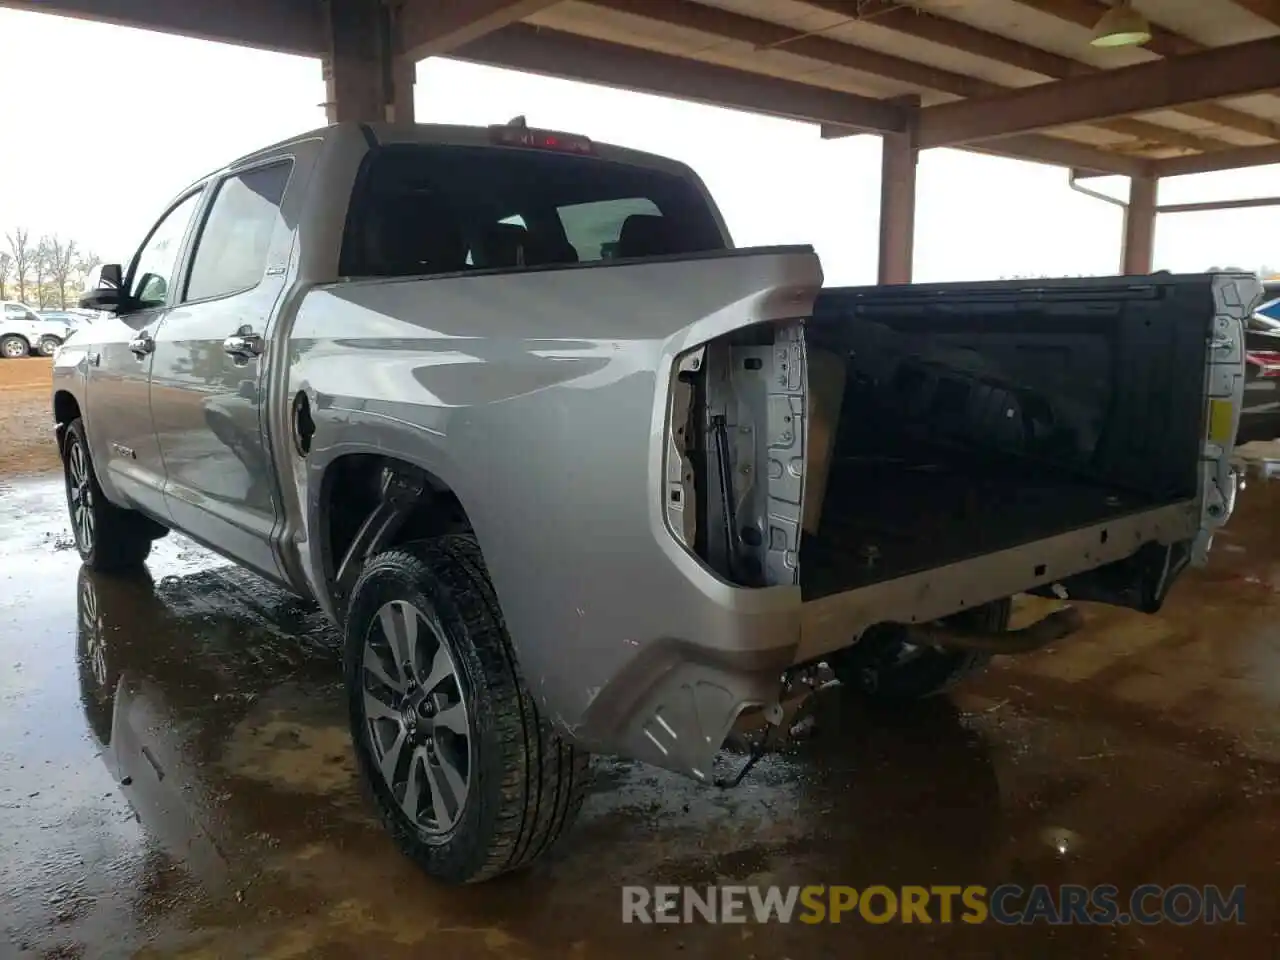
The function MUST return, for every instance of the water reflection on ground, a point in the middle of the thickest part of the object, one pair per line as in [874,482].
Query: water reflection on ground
[176,781]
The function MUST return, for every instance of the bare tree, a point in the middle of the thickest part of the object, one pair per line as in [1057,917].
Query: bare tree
[23,257]
[62,261]
[51,272]
[43,265]
[82,266]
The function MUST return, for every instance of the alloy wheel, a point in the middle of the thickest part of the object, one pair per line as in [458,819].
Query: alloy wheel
[416,711]
[80,495]
[91,624]
[12,349]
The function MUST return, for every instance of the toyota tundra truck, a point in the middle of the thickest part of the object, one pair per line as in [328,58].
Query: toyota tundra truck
[574,474]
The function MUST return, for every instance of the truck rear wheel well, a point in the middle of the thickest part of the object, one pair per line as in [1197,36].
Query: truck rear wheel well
[370,503]
[65,409]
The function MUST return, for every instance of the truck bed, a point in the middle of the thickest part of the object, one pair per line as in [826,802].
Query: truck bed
[936,507]
[970,418]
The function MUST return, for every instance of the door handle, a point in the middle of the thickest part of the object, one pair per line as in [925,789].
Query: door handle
[244,344]
[141,345]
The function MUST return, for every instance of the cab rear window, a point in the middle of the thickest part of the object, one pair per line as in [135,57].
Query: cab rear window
[429,209]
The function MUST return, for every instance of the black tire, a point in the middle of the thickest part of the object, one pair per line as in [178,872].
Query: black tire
[525,783]
[108,538]
[49,346]
[886,667]
[13,347]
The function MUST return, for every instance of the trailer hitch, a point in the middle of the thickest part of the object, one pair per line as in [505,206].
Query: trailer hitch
[1057,625]
[758,747]
[779,720]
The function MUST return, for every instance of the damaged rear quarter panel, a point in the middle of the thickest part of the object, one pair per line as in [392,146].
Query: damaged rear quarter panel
[539,397]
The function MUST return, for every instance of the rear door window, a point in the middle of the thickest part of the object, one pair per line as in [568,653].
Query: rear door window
[231,252]
[424,209]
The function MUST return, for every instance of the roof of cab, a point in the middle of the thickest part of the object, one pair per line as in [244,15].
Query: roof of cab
[377,134]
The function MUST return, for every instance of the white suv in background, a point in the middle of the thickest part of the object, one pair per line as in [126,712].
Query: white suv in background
[23,332]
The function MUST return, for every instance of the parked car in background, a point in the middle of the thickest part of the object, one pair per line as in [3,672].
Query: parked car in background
[24,332]
[1267,315]
[65,321]
[70,320]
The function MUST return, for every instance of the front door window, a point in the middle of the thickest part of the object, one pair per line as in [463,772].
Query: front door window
[156,264]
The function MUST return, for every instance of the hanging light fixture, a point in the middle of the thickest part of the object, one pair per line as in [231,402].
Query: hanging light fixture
[1121,26]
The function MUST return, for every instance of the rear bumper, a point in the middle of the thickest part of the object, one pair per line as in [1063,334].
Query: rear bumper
[685,652]
[676,699]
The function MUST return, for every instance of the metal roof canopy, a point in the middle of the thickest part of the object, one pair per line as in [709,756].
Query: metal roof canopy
[1016,78]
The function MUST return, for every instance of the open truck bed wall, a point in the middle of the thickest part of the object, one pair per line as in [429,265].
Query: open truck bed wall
[581,415]
[975,417]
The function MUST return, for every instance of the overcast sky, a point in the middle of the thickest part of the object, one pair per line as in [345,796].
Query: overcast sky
[103,125]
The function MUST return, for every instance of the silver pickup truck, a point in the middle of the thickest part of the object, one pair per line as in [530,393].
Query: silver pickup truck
[573,474]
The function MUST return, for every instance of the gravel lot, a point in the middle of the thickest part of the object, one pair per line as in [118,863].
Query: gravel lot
[26,435]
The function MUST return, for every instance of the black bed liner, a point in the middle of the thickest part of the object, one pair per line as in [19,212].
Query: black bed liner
[977,417]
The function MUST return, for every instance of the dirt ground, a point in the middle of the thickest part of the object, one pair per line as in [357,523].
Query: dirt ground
[176,779]
[26,424]
[176,783]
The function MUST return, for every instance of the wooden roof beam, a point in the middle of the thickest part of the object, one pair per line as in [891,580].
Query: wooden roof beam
[927,25]
[766,35]
[1222,160]
[429,28]
[287,26]
[1232,71]
[1164,43]
[555,53]
[1060,152]
[560,54]
[1090,161]
[1268,10]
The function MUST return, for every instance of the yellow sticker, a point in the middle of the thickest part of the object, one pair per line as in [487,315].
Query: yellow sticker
[1220,416]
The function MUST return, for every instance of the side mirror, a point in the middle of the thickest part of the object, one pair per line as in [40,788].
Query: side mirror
[105,291]
[151,289]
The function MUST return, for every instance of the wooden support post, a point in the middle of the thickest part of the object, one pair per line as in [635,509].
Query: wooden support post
[898,202]
[403,78]
[365,78]
[1139,226]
